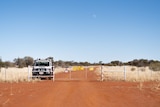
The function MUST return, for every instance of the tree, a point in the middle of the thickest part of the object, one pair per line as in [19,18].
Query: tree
[8,64]
[86,63]
[19,62]
[23,62]
[28,60]
[116,63]
[143,63]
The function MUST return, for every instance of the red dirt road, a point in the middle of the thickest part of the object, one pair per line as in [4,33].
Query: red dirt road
[78,94]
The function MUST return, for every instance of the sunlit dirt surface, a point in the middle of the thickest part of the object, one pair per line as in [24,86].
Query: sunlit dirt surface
[77,93]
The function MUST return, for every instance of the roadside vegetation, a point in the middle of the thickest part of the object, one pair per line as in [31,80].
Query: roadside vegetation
[27,60]
[142,69]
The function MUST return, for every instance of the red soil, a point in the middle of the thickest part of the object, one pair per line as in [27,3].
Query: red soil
[79,94]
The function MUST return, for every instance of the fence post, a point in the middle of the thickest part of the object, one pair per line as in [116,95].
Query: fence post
[101,73]
[151,75]
[53,76]
[86,72]
[5,73]
[70,76]
[125,73]
[28,73]
[138,72]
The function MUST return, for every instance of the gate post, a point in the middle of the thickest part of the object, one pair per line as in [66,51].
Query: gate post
[70,76]
[53,76]
[86,72]
[151,75]
[5,74]
[28,73]
[53,73]
[102,72]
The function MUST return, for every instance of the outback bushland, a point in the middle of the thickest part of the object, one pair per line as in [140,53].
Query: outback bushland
[27,60]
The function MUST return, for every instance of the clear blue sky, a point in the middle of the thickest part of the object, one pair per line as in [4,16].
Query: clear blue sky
[80,30]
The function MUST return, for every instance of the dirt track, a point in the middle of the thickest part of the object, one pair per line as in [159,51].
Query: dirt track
[78,94]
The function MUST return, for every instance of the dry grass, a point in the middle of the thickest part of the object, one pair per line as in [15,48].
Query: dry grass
[14,74]
[60,69]
[20,74]
[134,74]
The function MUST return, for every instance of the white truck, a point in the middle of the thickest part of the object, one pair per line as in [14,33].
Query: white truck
[43,68]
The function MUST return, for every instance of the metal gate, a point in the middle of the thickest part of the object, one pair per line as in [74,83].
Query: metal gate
[77,73]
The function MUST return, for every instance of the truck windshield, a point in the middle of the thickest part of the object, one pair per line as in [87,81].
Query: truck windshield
[42,64]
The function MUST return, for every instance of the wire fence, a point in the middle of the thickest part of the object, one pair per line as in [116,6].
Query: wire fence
[78,73]
[102,73]
[14,74]
[60,73]
[129,73]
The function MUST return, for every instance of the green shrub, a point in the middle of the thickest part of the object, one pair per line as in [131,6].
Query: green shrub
[133,69]
[155,66]
[143,69]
